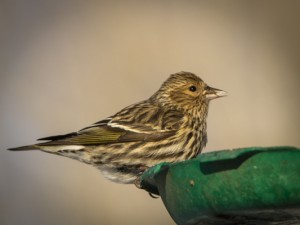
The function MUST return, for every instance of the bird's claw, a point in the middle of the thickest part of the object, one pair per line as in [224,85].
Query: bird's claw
[153,195]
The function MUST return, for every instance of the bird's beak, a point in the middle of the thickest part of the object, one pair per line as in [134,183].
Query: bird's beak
[212,93]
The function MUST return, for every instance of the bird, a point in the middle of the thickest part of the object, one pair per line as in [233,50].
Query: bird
[170,126]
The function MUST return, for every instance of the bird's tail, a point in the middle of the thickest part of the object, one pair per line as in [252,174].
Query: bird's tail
[25,148]
[71,151]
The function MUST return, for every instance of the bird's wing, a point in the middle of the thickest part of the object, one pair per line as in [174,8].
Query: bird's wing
[146,117]
[120,129]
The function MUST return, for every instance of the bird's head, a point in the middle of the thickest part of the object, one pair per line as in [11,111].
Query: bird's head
[186,91]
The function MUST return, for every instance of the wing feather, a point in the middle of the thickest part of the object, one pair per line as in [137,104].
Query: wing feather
[149,123]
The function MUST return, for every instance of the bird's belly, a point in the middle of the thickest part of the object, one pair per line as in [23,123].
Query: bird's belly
[125,164]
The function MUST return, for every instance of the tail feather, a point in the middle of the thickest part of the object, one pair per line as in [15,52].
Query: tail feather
[71,151]
[25,148]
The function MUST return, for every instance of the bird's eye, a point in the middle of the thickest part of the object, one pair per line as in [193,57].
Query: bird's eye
[192,88]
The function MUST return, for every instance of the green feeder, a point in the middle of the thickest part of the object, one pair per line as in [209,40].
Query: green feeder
[241,186]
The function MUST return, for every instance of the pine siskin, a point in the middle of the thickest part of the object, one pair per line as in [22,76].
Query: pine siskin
[170,126]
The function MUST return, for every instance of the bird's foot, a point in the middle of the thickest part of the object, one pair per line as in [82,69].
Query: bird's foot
[138,183]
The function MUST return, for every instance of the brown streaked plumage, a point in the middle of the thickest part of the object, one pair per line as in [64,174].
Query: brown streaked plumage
[170,126]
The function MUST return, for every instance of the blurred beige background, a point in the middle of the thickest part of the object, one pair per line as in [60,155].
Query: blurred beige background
[66,64]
